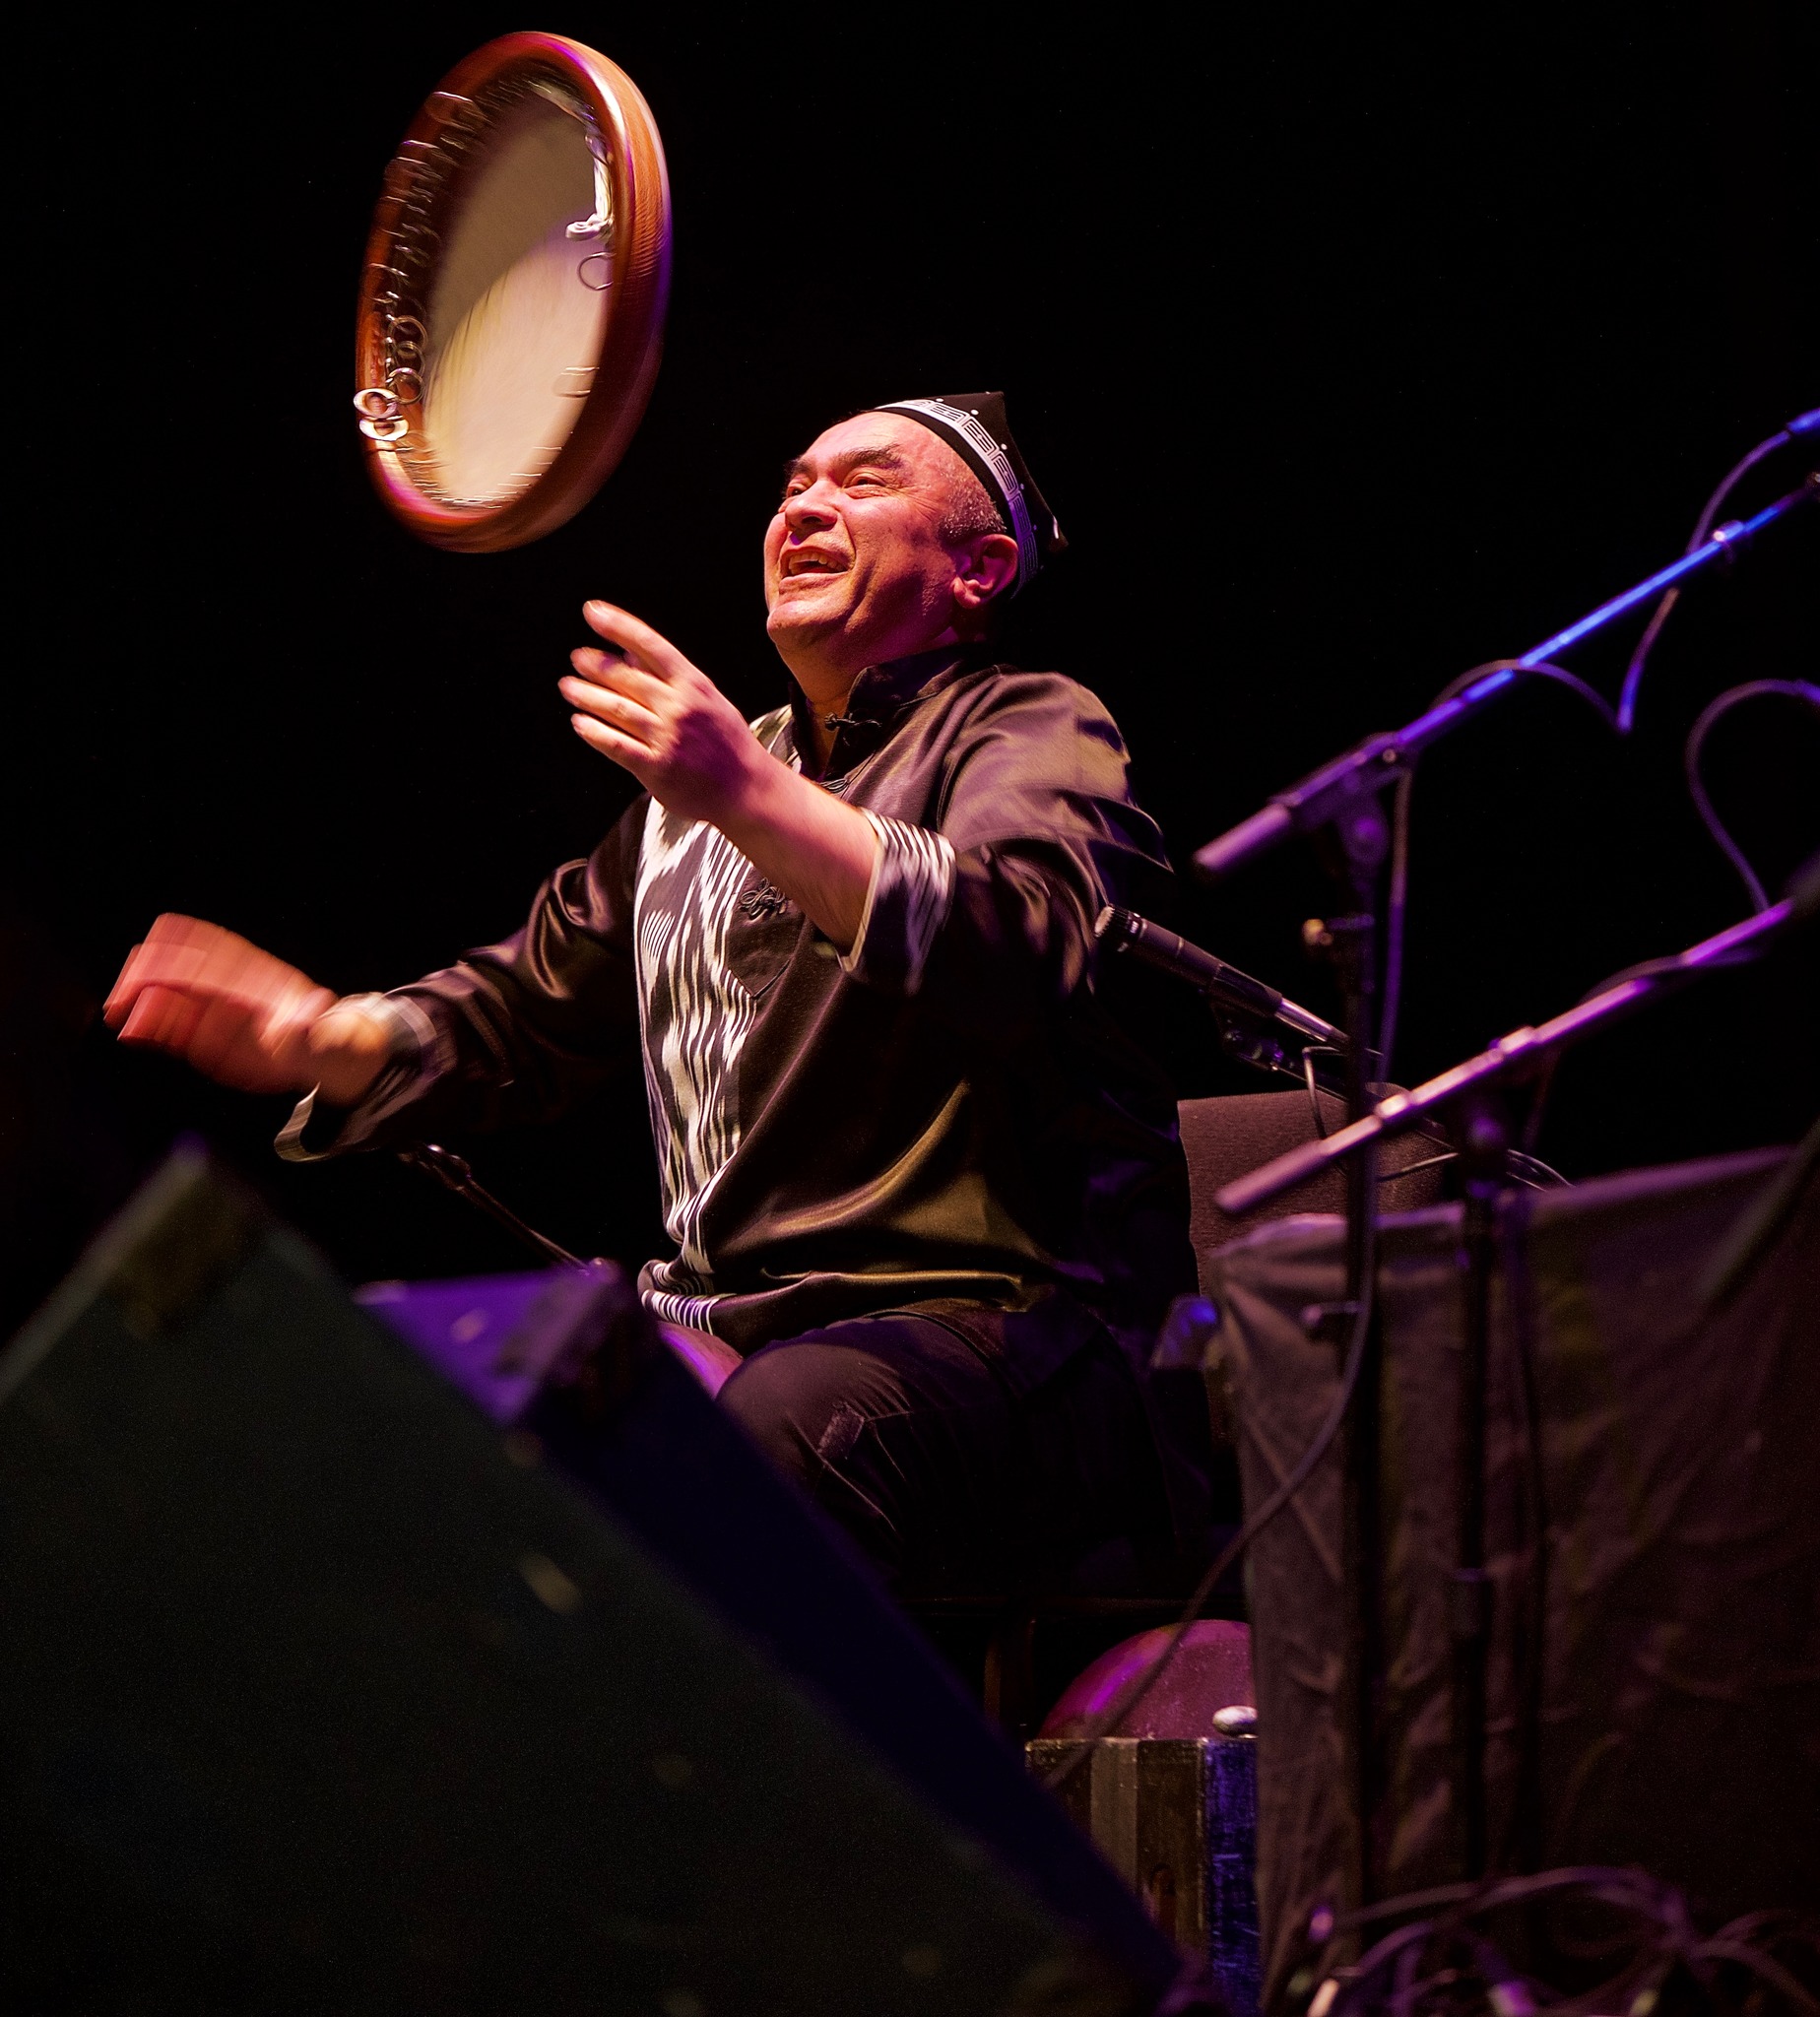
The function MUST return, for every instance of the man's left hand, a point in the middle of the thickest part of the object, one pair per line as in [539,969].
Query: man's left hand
[642,703]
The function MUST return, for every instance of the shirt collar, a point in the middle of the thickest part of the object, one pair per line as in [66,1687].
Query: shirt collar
[879,696]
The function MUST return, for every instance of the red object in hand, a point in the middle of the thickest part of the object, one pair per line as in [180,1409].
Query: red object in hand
[214,998]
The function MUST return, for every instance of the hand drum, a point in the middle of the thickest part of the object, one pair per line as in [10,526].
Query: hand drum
[512,307]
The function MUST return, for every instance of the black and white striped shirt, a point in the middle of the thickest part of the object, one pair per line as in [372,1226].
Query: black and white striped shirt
[697,1013]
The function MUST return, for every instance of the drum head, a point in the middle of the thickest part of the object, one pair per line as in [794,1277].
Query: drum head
[512,308]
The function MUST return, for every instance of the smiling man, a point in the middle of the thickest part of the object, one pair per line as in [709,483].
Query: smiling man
[927,1200]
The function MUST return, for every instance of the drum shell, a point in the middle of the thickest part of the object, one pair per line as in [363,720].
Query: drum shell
[422,181]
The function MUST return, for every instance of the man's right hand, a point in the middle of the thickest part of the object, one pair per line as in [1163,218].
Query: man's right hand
[242,1017]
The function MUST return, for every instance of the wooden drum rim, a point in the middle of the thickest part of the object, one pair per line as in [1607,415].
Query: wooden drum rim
[634,340]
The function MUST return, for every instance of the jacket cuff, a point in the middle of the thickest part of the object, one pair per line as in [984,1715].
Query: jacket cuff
[317,1130]
[907,902]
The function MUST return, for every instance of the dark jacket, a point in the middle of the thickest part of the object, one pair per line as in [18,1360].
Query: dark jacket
[990,1146]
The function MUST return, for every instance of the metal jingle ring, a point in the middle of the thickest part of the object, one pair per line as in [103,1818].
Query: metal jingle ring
[594,258]
[375,403]
[454,108]
[417,176]
[394,429]
[395,382]
[407,329]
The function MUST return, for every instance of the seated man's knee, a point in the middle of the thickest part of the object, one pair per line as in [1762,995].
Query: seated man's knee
[791,1398]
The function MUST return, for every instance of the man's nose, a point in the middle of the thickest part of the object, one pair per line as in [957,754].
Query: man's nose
[811,508]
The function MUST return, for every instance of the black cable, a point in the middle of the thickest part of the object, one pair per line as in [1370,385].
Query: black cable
[1644,971]
[1542,670]
[1519,1169]
[1128,1702]
[1532,1171]
[1618,718]
[1805,424]
[1314,1089]
[1759,1227]
[1396,909]
[1520,1303]
[1652,970]
[1752,689]
[1538,1102]
[1126,1705]
[1666,1937]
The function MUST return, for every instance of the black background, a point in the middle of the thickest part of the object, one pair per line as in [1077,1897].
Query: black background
[1348,356]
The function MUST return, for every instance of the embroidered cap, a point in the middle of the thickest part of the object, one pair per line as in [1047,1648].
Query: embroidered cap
[973,424]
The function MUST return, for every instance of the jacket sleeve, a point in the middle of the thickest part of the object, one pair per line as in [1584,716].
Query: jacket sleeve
[988,915]
[512,1032]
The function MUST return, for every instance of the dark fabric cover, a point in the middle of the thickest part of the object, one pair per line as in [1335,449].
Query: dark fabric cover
[1679,1723]
[1232,1135]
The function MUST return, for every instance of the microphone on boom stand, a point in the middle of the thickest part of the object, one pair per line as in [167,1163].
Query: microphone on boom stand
[1125,931]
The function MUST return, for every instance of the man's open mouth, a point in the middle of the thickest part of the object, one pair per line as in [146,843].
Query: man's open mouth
[806,560]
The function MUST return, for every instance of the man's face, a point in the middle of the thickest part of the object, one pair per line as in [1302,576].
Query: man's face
[855,564]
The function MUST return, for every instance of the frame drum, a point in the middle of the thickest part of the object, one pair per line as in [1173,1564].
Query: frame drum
[512,307]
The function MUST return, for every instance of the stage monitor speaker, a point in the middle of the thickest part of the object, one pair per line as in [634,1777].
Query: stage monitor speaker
[1653,1545]
[320,1691]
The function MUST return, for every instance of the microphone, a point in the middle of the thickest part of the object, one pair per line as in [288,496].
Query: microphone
[1125,931]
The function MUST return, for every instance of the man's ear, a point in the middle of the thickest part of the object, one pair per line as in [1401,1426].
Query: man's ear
[988,566]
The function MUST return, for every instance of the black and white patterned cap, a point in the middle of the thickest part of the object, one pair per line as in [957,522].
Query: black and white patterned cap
[973,424]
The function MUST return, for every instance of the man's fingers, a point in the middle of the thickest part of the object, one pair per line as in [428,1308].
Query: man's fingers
[143,1018]
[630,754]
[121,994]
[161,1016]
[195,938]
[644,646]
[186,968]
[613,669]
[617,710]
[179,952]
[221,1026]
[152,966]
[192,956]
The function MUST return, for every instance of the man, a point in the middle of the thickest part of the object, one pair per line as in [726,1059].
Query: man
[927,1198]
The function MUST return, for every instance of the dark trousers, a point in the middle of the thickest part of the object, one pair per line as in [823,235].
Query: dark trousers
[948,1479]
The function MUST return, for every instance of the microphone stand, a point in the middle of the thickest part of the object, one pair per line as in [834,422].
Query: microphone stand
[454,1173]
[1343,798]
[1521,1051]
[1472,1092]
[1351,942]
[1327,796]
[1253,1020]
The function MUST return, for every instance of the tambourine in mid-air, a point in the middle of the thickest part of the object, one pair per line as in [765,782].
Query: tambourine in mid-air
[512,307]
